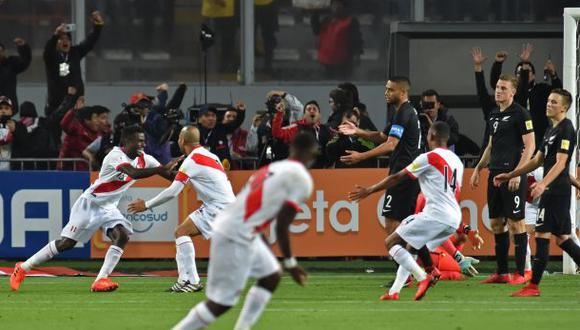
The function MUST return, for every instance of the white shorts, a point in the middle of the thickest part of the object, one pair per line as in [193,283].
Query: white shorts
[86,217]
[232,263]
[531,214]
[419,230]
[203,219]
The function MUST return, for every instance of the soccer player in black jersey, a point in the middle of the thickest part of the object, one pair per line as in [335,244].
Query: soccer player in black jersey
[554,154]
[401,139]
[511,144]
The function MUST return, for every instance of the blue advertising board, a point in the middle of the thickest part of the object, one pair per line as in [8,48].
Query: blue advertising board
[34,207]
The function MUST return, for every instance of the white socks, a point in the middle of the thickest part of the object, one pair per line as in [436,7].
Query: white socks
[254,305]
[198,317]
[46,253]
[404,258]
[185,258]
[528,265]
[111,259]
[400,280]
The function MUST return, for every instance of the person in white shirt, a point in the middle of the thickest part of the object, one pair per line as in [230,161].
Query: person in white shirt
[97,208]
[205,172]
[238,251]
[440,173]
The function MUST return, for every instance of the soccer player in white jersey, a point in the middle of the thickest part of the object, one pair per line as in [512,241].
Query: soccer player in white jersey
[206,173]
[97,208]
[238,251]
[439,172]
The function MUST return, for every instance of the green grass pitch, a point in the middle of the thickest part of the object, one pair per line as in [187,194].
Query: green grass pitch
[330,301]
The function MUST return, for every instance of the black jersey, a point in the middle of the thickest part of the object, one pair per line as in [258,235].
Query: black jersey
[558,139]
[405,126]
[506,130]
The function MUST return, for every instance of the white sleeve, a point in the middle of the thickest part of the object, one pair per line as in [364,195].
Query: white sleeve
[418,166]
[169,193]
[151,162]
[300,187]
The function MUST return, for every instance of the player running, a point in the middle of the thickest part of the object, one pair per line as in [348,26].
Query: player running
[205,172]
[237,250]
[439,172]
[97,208]
[555,188]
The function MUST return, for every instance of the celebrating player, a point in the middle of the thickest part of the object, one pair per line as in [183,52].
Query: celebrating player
[237,250]
[439,172]
[97,208]
[555,188]
[204,170]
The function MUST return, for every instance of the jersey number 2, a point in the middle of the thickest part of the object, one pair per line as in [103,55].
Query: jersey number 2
[452,183]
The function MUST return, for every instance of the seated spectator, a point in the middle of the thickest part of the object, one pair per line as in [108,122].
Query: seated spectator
[11,67]
[310,122]
[340,42]
[35,141]
[433,110]
[81,127]
[337,147]
[11,133]
[340,103]
[365,121]
[213,134]
[237,138]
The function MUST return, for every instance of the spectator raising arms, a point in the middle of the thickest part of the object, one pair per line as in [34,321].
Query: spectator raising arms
[10,67]
[62,62]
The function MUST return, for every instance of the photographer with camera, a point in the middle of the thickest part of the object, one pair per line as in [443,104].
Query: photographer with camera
[213,134]
[310,122]
[433,110]
[12,133]
[62,61]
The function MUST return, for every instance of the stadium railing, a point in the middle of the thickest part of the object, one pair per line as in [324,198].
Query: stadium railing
[44,163]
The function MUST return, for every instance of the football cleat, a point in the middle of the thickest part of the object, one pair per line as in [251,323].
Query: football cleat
[104,285]
[496,278]
[17,277]
[530,290]
[424,285]
[517,279]
[387,296]
[186,286]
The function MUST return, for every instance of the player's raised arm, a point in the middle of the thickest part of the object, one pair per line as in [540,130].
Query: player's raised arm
[163,197]
[284,219]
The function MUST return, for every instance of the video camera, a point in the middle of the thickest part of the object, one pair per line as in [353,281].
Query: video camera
[174,115]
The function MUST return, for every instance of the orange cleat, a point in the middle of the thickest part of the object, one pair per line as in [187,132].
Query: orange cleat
[530,290]
[496,278]
[104,285]
[528,275]
[424,285]
[387,296]
[517,279]
[17,277]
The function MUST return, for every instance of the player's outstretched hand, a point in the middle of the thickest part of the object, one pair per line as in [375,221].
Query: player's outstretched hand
[352,157]
[347,128]
[500,178]
[137,206]
[476,240]
[299,275]
[171,165]
[359,193]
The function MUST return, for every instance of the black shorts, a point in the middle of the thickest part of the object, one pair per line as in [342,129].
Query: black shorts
[400,200]
[503,203]
[554,215]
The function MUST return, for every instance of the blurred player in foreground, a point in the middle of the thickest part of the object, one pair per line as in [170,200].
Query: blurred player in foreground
[237,250]
[97,208]
[207,175]
[439,172]
[555,188]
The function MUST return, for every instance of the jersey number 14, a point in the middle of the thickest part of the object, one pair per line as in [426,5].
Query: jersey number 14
[451,181]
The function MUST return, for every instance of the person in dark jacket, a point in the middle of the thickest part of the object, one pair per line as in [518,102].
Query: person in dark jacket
[337,147]
[531,95]
[11,67]
[310,122]
[365,121]
[62,62]
[431,111]
[34,141]
[340,103]
[213,134]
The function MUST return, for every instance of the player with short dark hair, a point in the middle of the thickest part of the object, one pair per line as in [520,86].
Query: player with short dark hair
[97,208]
[440,174]
[511,144]
[237,250]
[555,188]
